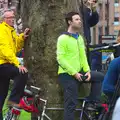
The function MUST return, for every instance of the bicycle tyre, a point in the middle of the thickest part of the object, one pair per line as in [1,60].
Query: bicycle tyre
[35,118]
[15,117]
[104,116]
[11,116]
[8,115]
[84,116]
[101,117]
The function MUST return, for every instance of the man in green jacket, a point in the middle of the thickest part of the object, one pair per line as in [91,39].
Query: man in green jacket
[73,65]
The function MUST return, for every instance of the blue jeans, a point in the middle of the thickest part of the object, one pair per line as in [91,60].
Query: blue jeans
[111,77]
[70,86]
[7,72]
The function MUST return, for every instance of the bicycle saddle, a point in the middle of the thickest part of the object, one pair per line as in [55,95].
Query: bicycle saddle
[32,90]
[28,93]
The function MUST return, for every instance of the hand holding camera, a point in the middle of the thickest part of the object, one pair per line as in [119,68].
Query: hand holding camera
[83,77]
[91,4]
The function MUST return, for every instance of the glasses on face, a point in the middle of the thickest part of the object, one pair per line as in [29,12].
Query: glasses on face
[11,17]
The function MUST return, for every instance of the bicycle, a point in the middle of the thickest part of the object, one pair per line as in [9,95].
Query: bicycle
[28,102]
[33,103]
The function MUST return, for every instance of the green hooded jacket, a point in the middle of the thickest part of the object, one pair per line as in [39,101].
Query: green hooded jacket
[71,55]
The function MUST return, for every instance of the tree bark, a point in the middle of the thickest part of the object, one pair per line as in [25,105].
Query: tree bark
[46,19]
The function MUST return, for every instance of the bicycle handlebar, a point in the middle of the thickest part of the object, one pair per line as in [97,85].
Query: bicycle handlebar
[36,88]
[106,47]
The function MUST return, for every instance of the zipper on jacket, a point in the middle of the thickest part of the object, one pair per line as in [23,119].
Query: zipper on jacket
[78,50]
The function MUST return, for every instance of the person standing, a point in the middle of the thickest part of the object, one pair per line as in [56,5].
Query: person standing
[10,68]
[90,16]
[90,19]
[73,65]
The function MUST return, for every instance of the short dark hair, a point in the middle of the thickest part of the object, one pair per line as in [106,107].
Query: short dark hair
[69,15]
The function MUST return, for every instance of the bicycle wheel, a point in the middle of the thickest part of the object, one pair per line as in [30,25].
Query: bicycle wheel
[12,114]
[15,117]
[35,117]
[8,115]
[5,111]
[105,116]
[87,115]
[102,117]
[39,105]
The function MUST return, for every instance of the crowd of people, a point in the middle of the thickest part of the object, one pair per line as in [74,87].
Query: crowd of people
[71,58]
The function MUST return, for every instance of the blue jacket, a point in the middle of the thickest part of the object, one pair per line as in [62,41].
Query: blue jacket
[90,20]
[112,76]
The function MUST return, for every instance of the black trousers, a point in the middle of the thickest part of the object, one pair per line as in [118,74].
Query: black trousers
[7,72]
[70,86]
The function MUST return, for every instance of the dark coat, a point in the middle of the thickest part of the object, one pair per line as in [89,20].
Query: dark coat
[90,19]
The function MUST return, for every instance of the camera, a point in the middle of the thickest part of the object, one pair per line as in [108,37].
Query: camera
[84,77]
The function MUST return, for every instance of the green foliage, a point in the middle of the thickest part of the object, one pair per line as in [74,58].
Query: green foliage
[24,115]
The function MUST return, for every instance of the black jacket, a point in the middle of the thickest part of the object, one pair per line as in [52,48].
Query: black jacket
[90,20]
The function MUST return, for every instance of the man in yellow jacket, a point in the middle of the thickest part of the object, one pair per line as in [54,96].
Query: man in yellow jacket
[10,68]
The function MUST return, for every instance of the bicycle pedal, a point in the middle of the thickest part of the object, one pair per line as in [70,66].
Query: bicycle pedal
[90,107]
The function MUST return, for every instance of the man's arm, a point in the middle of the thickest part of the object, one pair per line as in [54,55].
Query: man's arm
[6,50]
[61,53]
[85,65]
[20,38]
[94,18]
[20,41]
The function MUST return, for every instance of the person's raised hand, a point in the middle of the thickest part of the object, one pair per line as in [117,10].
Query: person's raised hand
[26,32]
[92,4]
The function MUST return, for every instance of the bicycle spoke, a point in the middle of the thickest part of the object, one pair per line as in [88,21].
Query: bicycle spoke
[8,116]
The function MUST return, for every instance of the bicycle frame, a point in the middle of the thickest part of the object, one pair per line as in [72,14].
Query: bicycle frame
[44,108]
[82,111]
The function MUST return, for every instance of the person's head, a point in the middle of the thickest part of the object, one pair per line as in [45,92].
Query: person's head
[118,39]
[90,3]
[73,20]
[8,17]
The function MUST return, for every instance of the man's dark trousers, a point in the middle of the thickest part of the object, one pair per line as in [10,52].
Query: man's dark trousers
[70,86]
[7,72]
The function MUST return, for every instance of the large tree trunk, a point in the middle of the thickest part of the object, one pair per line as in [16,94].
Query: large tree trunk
[46,19]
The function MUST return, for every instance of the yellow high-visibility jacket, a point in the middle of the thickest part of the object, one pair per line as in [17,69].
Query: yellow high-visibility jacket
[10,44]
